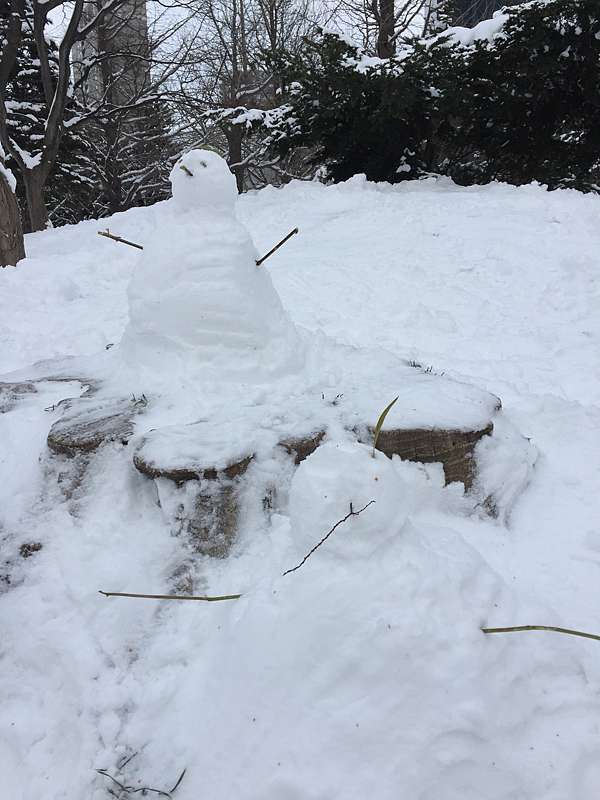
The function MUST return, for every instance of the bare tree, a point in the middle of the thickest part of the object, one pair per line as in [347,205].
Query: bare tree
[113,79]
[35,167]
[469,12]
[377,25]
[12,247]
[126,69]
[227,86]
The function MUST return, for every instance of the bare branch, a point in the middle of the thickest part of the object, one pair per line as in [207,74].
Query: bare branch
[351,513]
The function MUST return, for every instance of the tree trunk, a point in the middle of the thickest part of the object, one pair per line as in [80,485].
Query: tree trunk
[12,248]
[386,46]
[34,181]
[234,136]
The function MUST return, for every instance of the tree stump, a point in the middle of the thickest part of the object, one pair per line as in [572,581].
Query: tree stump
[454,449]
[211,512]
[302,447]
[89,424]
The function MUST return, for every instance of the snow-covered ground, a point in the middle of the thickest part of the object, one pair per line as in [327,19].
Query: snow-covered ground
[364,672]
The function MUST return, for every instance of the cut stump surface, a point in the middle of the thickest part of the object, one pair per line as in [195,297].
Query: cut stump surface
[89,424]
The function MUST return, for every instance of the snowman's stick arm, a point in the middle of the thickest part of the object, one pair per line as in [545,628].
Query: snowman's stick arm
[112,236]
[277,246]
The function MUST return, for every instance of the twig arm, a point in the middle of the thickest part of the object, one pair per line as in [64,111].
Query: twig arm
[112,236]
[277,246]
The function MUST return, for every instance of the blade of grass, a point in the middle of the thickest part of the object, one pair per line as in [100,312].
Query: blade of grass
[380,422]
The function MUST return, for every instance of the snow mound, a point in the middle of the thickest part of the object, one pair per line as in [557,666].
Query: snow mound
[369,676]
[333,477]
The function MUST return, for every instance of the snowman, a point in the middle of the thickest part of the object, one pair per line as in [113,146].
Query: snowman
[200,309]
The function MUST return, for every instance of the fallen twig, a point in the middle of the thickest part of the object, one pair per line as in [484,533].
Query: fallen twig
[172,791]
[106,774]
[143,789]
[209,599]
[517,628]
[351,513]
[277,246]
[124,763]
[112,236]
[186,170]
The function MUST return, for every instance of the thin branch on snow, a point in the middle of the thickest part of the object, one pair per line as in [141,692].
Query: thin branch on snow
[351,513]
[124,789]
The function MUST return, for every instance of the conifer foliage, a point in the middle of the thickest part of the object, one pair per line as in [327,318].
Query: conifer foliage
[519,104]
[530,100]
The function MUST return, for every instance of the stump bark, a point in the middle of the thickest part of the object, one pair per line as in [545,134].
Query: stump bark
[302,447]
[454,449]
[210,518]
[213,522]
[180,474]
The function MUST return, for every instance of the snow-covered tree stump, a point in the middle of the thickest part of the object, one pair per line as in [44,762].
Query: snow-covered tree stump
[87,424]
[210,512]
[301,447]
[10,393]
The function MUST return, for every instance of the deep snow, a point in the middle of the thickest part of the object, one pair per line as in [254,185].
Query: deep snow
[365,671]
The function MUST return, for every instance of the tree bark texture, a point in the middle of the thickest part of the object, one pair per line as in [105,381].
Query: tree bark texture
[34,181]
[234,135]
[386,46]
[12,248]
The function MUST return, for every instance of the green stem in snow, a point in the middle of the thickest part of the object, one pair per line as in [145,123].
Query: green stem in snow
[517,628]
[207,599]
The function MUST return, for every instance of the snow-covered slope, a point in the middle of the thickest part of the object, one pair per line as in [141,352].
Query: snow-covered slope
[364,672]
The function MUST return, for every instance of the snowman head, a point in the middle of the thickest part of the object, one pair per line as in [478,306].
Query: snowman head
[202,179]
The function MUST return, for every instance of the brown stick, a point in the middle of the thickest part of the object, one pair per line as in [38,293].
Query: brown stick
[112,236]
[277,246]
[212,599]
[517,628]
[351,513]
